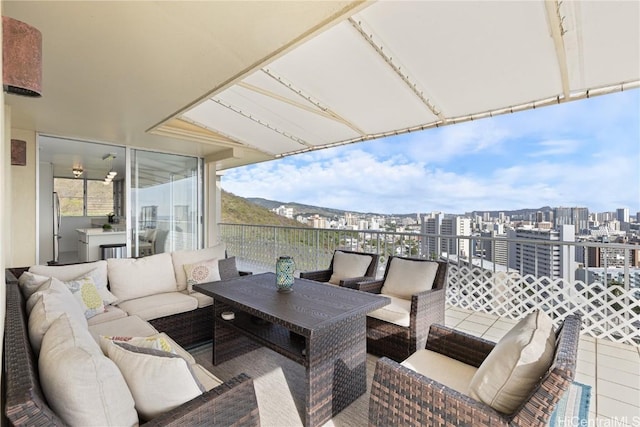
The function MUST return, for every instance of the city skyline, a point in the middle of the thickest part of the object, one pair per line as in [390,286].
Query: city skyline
[581,153]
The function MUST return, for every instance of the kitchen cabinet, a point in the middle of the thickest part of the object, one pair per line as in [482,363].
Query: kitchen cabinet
[90,239]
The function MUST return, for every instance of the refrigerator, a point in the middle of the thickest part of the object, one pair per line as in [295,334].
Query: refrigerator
[56,228]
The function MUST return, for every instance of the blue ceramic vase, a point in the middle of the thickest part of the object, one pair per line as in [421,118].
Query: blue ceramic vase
[284,273]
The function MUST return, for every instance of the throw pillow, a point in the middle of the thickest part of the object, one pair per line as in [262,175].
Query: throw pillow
[202,272]
[82,385]
[407,277]
[227,268]
[156,342]
[50,305]
[180,258]
[347,265]
[517,362]
[30,282]
[97,270]
[86,294]
[158,381]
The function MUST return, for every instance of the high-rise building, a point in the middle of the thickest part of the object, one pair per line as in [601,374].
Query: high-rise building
[431,224]
[549,260]
[494,250]
[457,226]
[622,214]
[578,217]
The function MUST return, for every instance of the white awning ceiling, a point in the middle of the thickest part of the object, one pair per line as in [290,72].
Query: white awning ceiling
[401,66]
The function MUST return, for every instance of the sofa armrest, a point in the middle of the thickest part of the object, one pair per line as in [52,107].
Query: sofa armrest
[458,345]
[318,276]
[231,404]
[371,286]
[401,396]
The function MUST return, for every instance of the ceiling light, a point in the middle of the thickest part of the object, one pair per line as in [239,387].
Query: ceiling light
[77,172]
[111,174]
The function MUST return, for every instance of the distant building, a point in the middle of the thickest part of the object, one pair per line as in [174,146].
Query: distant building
[494,250]
[457,226]
[578,217]
[622,214]
[284,211]
[431,225]
[552,261]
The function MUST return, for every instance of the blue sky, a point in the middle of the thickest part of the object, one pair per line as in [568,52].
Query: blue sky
[582,153]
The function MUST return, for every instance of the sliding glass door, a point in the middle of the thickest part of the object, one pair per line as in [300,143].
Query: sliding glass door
[166,202]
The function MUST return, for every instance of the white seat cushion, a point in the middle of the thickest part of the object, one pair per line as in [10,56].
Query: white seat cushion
[397,312]
[159,305]
[82,385]
[111,312]
[180,258]
[407,277]
[348,265]
[443,369]
[206,378]
[203,300]
[517,362]
[131,278]
[130,326]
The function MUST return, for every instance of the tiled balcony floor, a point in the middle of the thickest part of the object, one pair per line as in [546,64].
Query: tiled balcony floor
[611,369]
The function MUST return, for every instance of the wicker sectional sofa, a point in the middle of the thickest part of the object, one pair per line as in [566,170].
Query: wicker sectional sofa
[30,394]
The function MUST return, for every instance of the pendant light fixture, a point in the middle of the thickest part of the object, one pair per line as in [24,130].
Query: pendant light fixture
[111,174]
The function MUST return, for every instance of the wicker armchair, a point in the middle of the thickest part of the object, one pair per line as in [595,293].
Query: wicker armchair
[402,396]
[427,307]
[350,282]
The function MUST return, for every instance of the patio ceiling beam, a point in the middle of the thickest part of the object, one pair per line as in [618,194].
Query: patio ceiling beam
[261,122]
[556,21]
[385,53]
[319,108]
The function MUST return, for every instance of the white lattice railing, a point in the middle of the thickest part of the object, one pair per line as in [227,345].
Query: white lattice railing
[610,311]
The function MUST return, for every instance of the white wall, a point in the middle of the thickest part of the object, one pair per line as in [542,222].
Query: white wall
[45,213]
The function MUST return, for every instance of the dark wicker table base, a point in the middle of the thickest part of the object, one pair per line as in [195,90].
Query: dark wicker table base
[335,361]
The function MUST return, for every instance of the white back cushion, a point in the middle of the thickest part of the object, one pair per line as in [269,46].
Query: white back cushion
[517,362]
[407,277]
[180,258]
[135,278]
[50,304]
[82,385]
[347,265]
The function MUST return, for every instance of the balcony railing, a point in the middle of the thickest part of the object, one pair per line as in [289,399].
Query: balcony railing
[525,274]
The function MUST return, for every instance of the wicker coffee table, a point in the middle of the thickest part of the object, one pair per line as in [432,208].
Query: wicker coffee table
[322,327]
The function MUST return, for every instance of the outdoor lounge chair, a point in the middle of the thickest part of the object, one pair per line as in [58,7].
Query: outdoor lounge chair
[402,396]
[346,269]
[416,288]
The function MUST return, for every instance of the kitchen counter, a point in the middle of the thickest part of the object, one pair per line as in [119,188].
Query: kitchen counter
[97,231]
[90,239]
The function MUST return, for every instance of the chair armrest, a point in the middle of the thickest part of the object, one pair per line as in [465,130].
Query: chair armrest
[371,286]
[245,273]
[318,276]
[352,282]
[458,345]
[401,396]
[231,404]
[427,308]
